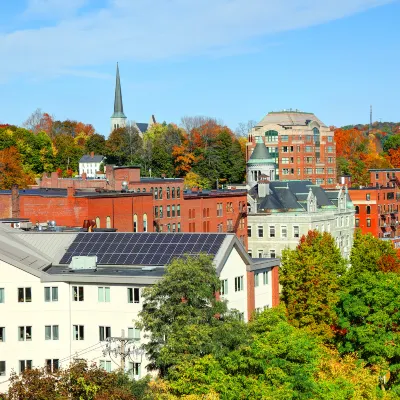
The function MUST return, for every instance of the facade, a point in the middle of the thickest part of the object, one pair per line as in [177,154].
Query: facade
[89,164]
[280,213]
[56,308]
[377,206]
[303,146]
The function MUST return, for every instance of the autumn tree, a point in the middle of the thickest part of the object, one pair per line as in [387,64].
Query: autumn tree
[40,122]
[96,143]
[193,180]
[11,170]
[309,277]
[68,152]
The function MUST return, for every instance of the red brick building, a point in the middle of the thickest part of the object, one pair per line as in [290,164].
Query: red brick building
[377,206]
[127,202]
[303,146]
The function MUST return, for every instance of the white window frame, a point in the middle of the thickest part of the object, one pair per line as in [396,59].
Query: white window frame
[77,291]
[50,293]
[224,287]
[239,283]
[51,332]
[134,295]
[104,294]
[78,332]
[26,333]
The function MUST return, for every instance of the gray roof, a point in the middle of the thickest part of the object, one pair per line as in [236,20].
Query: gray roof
[87,158]
[289,118]
[118,106]
[260,154]
[142,126]
[291,196]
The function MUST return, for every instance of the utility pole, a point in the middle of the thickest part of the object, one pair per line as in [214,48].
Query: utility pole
[120,350]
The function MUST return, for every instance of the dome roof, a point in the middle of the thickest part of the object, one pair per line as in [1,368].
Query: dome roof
[260,154]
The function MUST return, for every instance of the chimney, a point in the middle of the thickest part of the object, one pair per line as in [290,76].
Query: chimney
[14,201]
[92,154]
[70,192]
[263,186]
[84,176]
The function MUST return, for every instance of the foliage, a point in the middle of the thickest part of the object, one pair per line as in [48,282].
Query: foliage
[310,283]
[11,172]
[79,381]
[369,320]
[182,316]
[193,180]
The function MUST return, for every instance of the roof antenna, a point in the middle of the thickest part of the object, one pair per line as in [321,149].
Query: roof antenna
[370,119]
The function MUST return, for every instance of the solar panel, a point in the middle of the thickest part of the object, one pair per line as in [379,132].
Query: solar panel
[143,248]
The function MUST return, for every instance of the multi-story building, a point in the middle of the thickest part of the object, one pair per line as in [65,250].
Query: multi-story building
[66,295]
[302,145]
[89,164]
[280,213]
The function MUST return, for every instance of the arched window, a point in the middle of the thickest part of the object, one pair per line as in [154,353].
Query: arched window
[135,226]
[168,192]
[144,189]
[97,222]
[108,222]
[144,222]
[173,192]
[271,136]
[156,193]
[178,193]
[316,134]
[160,193]
[357,210]
[368,209]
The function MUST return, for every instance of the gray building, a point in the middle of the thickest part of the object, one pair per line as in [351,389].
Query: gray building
[279,213]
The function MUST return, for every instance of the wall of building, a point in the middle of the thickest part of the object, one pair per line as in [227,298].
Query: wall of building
[5,206]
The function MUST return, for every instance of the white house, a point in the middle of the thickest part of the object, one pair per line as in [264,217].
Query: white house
[90,164]
[66,295]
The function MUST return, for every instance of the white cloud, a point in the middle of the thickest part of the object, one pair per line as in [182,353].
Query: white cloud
[158,29]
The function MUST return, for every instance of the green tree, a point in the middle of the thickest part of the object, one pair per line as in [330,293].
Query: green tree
[309,277]
[391,142]
[181,314]
[369,321]
[96,143]
[68,152]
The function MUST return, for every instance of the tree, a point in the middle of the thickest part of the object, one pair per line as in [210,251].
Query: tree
[193,180]
[180,312]
[369,321]
[40,122]
[68,152]
[11,170]
[310,283]
[370,254]
[96,143]
[244,128]
[392,143]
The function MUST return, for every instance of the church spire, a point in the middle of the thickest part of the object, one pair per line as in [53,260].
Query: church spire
[118,107]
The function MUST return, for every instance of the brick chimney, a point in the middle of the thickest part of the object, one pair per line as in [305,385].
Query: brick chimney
[70,192]
[92,154]
[14,201]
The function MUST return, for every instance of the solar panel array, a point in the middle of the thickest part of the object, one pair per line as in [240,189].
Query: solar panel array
[119,248]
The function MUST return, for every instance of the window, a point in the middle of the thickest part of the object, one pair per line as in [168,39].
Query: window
[168,193]
[357,222]
[135,224]
[283,231]
[256,279]
[160,193]
[368,222]
[271,136]
[368,209]
[173,210]
[260,231]
[265,278]
[319,181]
[51,332]
[52,365]
[97,222]
[24,295]
[2,368]
[144,222]
[296,231]
[103,294]
[285,160]
[224,286]
[330,160]
[134,333]
[155,193]
[2,334]
[330,139]
[309,170]
[272,253]
[51,293]
[108,222]
[219,210]
[178,227]
[178,192]
[357,209]
[77,293]
[272,231]
[104,332]
[284,138]
[78,332]
[161,211]
[168,211]
[250,253]
[239,284]
[308,149]
[330,170]
[24,364]
[133,295]
[330,149]
[260,253]
[1,295]
[368,196]
[135,369]
[24,333]
[106,365]
[248,231]
[319,170]
[178,210]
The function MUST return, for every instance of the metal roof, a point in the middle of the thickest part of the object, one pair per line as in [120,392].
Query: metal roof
[260,154]
[118,106]
[87,158]
[290,118]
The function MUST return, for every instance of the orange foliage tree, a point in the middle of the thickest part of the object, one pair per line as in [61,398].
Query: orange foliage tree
[11,171]
[393,157]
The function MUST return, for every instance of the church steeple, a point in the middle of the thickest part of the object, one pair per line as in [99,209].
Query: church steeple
[118,119]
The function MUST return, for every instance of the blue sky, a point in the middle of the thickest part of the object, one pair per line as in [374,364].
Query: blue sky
[234,60]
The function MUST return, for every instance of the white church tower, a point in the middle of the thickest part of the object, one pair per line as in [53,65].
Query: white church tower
[118,119]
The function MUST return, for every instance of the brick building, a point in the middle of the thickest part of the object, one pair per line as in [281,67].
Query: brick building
[377,206]
[302,145]
[128,202]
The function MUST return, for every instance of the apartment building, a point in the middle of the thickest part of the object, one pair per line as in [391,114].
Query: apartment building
[280,213]
[302,146]
[65,295]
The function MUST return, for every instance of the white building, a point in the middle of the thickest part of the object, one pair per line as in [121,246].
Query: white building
[90,164]
[55,307]
[280,213]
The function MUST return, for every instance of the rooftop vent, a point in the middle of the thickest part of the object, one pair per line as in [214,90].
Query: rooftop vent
[148,268]
[83,262]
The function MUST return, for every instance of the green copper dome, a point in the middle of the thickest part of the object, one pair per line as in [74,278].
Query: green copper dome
[260,154]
